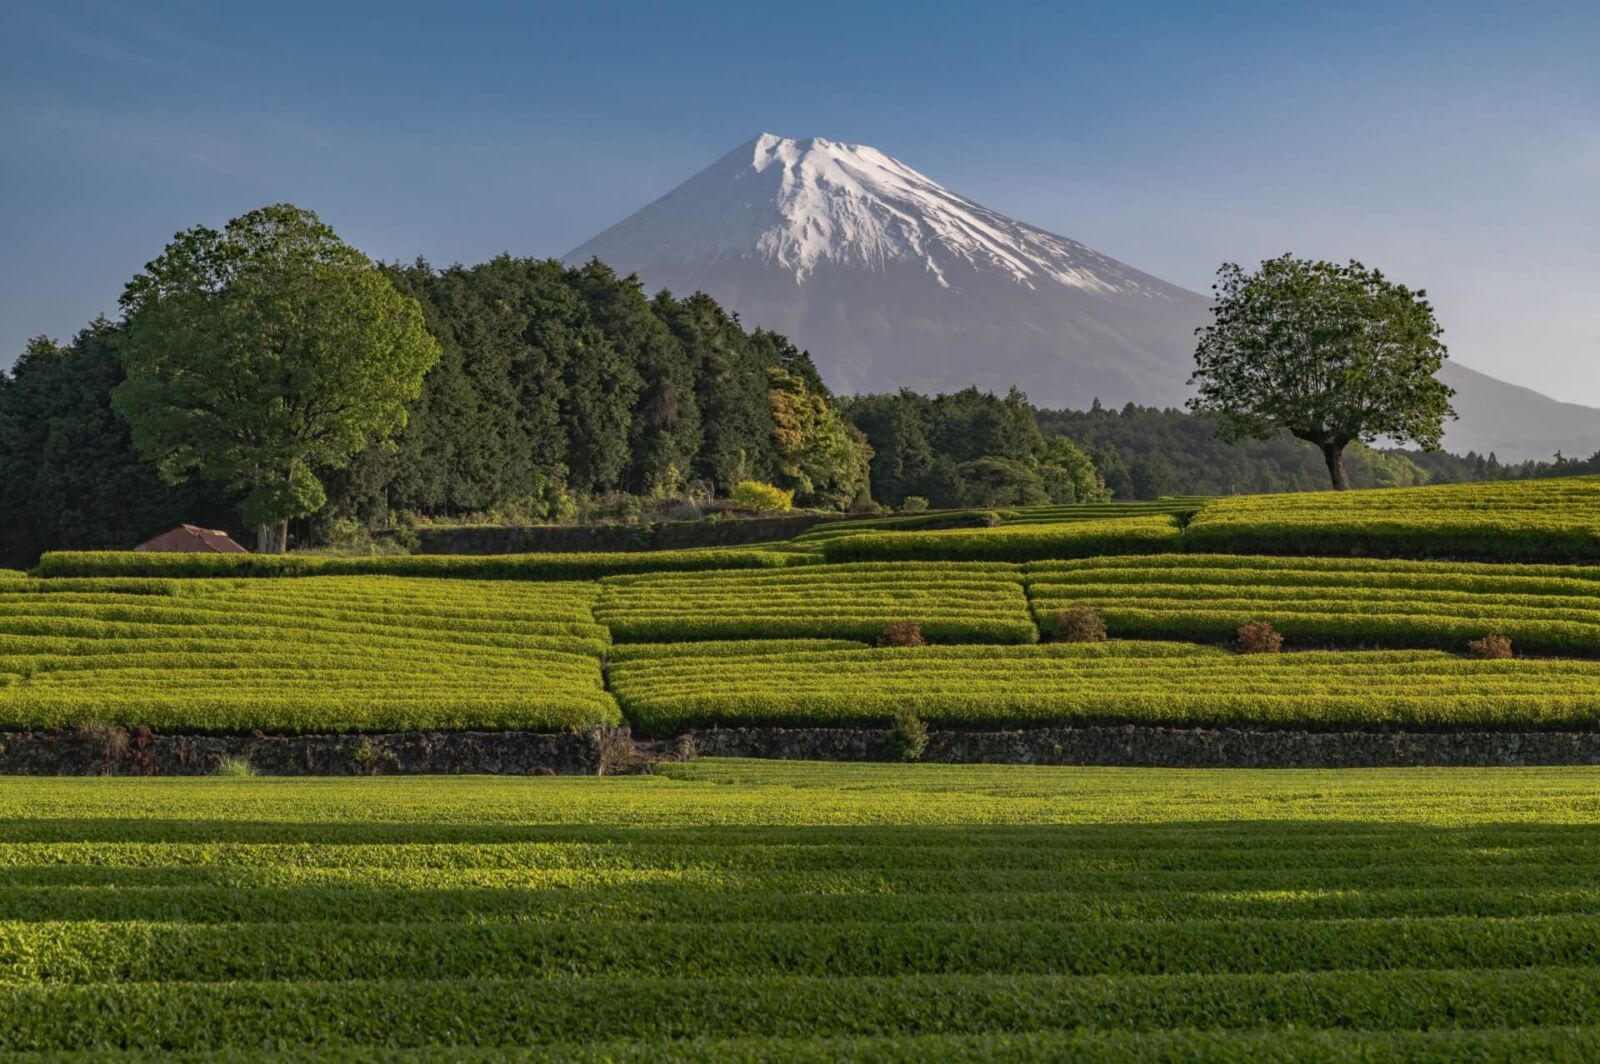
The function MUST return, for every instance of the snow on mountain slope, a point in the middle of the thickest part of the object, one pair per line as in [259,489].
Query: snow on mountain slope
[891,280]
[800,203]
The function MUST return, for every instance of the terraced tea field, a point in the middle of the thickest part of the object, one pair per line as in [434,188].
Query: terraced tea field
[739,910]
[1122,681]
[330,653]
[1207,597]
[1022,542]
[953,602]
[1555,520]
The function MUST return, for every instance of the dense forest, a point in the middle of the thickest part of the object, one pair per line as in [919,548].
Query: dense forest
[564,393]
[1143,453]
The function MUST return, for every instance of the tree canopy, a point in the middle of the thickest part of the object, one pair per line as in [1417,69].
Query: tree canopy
[259,354]
[1331,353]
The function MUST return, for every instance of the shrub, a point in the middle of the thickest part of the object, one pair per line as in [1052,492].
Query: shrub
[902,634]
[588,565]
[760,497]
[913,504]
[1259,637]
[1335,601]
[1492,647]
[908,736]
[1080,624]
[234,767]
[1011,543]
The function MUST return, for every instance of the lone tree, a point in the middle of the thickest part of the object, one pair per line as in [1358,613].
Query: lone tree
[1331,353]
[258,354]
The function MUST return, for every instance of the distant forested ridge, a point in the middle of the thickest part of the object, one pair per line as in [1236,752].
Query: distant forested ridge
[1144,452]
[564,392]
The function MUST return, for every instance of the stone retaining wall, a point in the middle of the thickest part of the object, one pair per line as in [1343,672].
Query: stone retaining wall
[99,750]
[1136,746]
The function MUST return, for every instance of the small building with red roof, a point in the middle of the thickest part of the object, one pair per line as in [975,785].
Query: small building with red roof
[194,540]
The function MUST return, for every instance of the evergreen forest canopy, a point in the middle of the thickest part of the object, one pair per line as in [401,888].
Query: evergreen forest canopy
[561,392]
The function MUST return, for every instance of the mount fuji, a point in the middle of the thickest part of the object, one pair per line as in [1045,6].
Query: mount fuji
[891,280]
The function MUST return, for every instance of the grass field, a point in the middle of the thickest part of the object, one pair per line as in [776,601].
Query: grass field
[739,910]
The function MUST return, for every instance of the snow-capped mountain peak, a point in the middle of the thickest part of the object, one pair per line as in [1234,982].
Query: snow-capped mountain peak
[892,281]
[801,203]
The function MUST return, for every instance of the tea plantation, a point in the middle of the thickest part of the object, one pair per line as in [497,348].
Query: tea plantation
[747,910]
[757,911]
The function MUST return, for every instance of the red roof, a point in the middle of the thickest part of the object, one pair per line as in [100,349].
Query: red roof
[193,539]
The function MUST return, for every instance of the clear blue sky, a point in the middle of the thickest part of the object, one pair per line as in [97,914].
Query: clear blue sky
[1456,145]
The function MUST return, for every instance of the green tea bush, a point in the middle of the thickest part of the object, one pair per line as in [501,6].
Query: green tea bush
[950,602]
[1340,601]
[1117,682]
[742,910]
[1011,542]
[323,653]
[551,566]
[1554,520]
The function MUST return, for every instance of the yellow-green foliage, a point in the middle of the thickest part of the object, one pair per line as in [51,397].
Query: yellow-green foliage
[1549,608]
[1019,542]
[322,653]
[797,911]
[1554,520]
[759,496]
[546,566]
[1109,683]
[954,602]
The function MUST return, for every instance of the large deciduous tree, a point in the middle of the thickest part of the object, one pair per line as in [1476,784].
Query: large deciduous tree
[1331,353]
[258,354]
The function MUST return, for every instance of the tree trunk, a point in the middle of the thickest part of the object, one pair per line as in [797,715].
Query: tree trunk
[1333,454]
[272,539]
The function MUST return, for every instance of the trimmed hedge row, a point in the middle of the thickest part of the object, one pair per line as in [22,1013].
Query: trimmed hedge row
[1556,520]
[804,911]
[1012,543]
[319,654]
[165,952]
[951,602]
[1406,604]
[1109,683]
[553,566]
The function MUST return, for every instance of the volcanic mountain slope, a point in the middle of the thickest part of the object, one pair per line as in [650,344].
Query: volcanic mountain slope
[891,280]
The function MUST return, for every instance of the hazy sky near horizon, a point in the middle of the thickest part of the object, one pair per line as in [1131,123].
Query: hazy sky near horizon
[1454,145]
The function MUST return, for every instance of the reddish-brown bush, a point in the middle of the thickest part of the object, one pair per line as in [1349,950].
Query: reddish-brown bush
[1080,624]
[902,634]
[1491,647]
[1259,637]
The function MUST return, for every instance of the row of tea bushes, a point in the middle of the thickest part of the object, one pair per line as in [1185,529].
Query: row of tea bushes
[1181,506]
[554,566]
[804,911]
[1012,542]
[1123,682]
[1345,601]
[952,602]
[1555,520]
[322,654]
